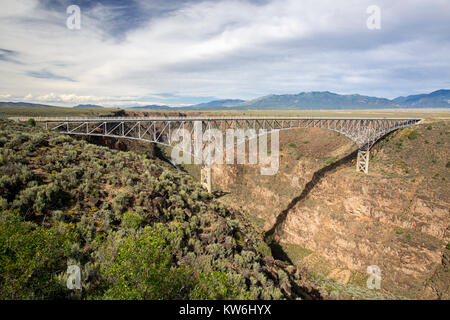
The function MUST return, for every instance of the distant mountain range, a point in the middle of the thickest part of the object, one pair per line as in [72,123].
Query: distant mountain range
[317,100]
[87,106]
[151,107]
[302,101]
[23,104]
[219,103]
[207,105]
[436,98]
[321,100]
[329,100]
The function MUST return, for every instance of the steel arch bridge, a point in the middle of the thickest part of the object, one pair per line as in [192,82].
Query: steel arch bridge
[364,132]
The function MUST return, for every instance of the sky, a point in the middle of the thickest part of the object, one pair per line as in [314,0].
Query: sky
[136,52]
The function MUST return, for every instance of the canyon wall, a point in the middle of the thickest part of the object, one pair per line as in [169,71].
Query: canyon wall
[396,218]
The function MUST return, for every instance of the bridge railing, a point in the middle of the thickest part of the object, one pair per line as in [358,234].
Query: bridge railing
[75,119]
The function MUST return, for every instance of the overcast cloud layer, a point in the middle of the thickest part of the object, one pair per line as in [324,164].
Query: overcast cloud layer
[185,52]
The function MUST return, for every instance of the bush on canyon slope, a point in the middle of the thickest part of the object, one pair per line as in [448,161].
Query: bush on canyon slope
[30,258]
[137,228]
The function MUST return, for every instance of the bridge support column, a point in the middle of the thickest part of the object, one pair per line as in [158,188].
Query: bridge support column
[362,162]
[206,177]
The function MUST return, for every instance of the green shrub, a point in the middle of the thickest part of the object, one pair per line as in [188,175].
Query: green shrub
[59,216]
[263,248]
[86,229]
[14,177]
[141,268]
[17,140]
[50,196]
[122,201]
[413,135]
[27,201]
[248,256]
[131,220]
[30,259]
[215,249]
[60,139]
[31,122]
[216,285]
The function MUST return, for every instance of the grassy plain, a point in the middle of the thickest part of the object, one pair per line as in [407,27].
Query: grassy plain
[429,114]
[432,114]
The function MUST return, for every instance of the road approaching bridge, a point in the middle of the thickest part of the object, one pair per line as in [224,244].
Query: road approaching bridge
[364,132]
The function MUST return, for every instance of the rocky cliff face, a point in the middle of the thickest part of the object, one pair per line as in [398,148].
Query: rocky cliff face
[122,144]
[341,221]
[356,221]
[302,153]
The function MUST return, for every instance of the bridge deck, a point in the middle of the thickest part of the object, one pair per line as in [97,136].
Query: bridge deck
[364,132]
[132,119]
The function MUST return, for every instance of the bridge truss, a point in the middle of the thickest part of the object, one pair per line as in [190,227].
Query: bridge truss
[364,132]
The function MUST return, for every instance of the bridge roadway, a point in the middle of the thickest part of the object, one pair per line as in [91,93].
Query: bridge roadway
[364,132]
[181,118]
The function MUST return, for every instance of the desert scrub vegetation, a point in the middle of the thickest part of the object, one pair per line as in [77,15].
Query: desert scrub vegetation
[136,227]
[412,135]
[31,122]
[31,257]
[152,274]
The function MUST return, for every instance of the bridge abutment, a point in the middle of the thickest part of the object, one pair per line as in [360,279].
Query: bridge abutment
[362,161]
[206,177]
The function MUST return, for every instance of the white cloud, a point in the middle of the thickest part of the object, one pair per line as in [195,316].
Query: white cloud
[226,49]
[71,98]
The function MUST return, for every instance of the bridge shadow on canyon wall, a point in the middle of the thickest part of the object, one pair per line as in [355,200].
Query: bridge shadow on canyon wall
[277,250]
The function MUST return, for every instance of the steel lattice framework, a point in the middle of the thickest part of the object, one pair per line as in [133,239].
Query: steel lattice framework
[364,132]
